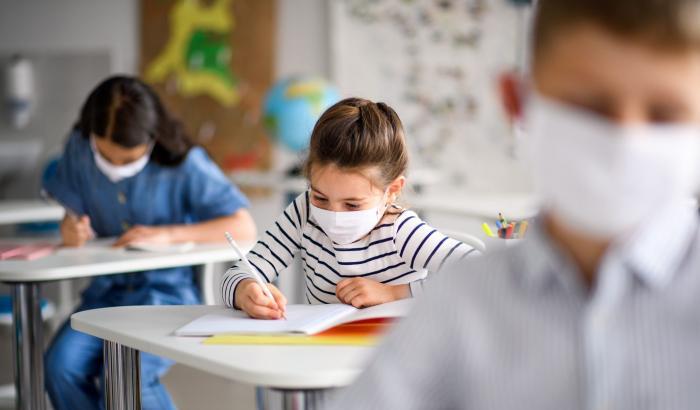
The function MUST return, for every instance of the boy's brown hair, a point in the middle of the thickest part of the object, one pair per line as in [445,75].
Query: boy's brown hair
[356,133]
[666,24]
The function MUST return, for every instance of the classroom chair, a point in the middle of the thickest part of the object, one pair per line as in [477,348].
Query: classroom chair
[467,239]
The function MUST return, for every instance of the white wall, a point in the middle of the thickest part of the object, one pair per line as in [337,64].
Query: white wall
[302,38]
[38,26]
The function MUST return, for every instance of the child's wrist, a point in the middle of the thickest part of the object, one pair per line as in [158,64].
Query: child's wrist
[401,291]
[176,233]
[238,293]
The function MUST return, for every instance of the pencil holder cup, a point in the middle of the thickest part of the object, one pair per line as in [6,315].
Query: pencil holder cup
[493,244]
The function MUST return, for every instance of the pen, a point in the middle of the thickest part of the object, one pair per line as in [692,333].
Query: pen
[256,276]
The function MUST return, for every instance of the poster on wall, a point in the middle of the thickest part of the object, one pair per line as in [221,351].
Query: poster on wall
[437,63]
[212,62]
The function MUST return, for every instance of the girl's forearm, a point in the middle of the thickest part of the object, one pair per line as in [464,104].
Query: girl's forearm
[239,224]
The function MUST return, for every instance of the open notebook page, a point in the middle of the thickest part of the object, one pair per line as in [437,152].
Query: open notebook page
[307,319]
[303,319]
[161,247]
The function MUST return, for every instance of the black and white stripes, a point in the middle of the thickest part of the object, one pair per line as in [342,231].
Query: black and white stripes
[395,252]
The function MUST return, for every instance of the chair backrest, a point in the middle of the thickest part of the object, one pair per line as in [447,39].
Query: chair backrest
[208,284]
[467,239]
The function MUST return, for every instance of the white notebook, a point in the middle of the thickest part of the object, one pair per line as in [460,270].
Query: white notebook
[302,319]
[161,247]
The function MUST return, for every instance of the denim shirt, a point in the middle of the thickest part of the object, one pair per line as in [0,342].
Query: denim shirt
[194,191]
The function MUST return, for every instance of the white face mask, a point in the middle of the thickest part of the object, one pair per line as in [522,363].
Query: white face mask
[347,227]
[116,173]
[604,180]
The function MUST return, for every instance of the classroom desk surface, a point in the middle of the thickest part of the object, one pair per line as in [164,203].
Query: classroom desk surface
[99,258]
[23,211]
[302,374]
[94,259]
[150,329]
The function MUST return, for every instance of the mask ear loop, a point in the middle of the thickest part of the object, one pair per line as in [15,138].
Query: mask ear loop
[380,215]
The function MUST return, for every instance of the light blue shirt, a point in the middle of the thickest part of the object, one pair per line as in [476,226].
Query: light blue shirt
[195,190]
[518,329]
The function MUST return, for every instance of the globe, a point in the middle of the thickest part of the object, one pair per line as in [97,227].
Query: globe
[292,107]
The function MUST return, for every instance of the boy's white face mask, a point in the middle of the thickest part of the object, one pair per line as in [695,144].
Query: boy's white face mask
[603,179]
[116,173]
[347,227]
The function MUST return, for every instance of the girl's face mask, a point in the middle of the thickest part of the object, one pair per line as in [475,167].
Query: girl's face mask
[116,173]
[347,227]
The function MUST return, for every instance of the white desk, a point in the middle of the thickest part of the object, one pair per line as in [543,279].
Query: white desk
[301,372]
[483,206]
[24,277]
[15,212]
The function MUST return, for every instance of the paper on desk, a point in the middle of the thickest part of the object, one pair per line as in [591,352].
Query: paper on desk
[301,319]
[364,333]
[159,247]
[27,252]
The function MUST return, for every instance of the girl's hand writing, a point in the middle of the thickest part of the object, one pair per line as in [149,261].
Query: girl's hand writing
[76,231]
[251,299]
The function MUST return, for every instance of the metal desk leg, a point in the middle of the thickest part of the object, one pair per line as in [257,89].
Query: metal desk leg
[122,377]
[28,346]
[292,399]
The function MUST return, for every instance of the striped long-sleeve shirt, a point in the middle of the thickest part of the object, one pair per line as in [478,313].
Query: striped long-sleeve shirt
[401,249]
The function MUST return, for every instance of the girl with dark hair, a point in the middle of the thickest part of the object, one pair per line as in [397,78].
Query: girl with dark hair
[129,171]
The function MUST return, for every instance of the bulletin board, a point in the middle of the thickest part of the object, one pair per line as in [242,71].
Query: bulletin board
[212,61]
[436,62]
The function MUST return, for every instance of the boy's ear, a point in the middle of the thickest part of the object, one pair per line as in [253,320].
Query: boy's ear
[511,90]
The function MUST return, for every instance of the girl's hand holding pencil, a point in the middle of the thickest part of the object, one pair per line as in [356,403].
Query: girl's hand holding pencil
[251,299]
[258,299]
[75,230]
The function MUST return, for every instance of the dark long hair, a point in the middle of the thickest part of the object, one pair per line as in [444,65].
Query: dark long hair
[129,113]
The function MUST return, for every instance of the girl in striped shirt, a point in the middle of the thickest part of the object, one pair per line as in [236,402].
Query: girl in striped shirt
[357,246]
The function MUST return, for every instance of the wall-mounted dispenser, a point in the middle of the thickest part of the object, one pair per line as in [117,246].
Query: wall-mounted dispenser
[19,91]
